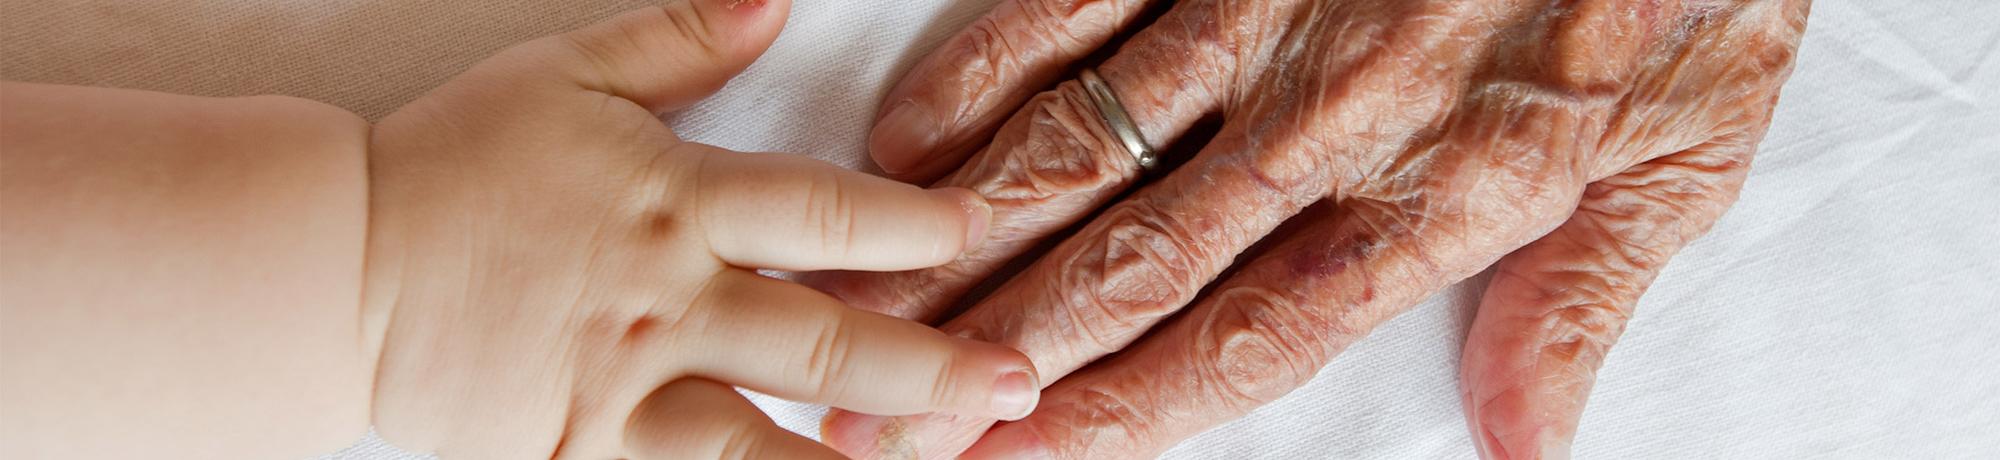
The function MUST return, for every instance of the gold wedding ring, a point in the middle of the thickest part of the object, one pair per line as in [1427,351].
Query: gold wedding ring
[1118,120]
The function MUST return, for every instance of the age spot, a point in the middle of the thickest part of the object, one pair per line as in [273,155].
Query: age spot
[1333,259]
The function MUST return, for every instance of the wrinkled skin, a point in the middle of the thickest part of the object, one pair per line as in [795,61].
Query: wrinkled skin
[1574,145]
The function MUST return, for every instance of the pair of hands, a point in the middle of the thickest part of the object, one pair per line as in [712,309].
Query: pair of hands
[533,222]
[1369,153]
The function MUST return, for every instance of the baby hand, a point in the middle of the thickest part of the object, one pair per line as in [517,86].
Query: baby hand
[553,273]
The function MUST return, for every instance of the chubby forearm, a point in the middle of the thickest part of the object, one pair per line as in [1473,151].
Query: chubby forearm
[180,274]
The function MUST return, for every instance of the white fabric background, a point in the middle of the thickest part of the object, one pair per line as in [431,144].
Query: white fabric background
[1848,307]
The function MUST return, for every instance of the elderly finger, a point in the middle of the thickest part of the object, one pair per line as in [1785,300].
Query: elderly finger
[952,100]
[1557,305]
[795,343]
[1138,262]
[698,418]
[1056,161]
[789,212]
[1262,333]
[1271,327]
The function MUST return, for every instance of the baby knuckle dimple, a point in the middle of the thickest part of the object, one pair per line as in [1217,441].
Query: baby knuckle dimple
[629,329]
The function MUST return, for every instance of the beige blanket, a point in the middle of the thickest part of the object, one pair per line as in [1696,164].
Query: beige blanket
[369,56]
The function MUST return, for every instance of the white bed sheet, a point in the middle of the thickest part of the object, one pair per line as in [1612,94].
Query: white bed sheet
[1848,307]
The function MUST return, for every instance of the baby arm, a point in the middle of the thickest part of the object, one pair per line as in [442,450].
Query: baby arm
[180,275]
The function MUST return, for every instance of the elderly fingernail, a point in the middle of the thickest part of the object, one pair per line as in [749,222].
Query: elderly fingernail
[1015,395]
[1010,441]
[904,138]
[852,434]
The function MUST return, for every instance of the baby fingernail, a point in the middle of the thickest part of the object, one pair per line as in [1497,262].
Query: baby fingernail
[1015,394]
[904,137]
[978,214]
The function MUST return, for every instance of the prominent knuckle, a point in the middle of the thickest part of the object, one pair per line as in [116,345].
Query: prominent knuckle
[1146,262]
[1582,332]
[1061,20]
[1667,193]
[1583,312]
[1064,151]
[1021,27]
[1261,344]
[1100,411]
[990,51]
[1294,170]
[1141,266]
[1576,54]
[1638,228]
[1630,242]
[1577,283]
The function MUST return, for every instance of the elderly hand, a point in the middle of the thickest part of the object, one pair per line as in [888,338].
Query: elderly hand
[560,276]
[1406,145]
